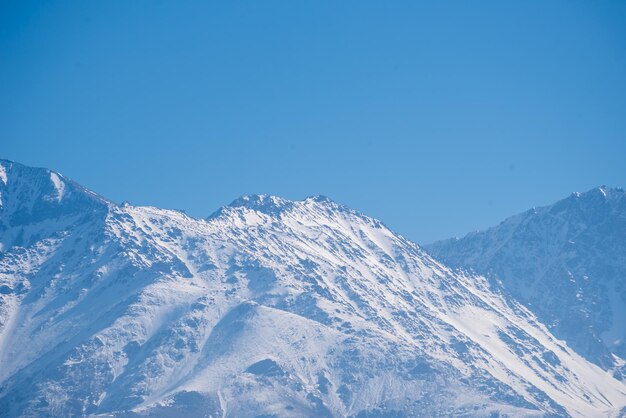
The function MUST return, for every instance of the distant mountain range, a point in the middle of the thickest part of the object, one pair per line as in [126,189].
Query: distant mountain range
[566,262]
[278,308]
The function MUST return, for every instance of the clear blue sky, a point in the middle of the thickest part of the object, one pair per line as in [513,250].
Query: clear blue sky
[437,117]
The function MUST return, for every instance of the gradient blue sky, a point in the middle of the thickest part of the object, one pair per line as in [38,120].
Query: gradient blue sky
[437,117]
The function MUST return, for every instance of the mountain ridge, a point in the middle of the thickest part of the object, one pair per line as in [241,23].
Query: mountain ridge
[316,310]
[589,226]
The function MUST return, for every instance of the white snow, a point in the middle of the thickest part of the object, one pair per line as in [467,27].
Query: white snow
[3,174]
[59,185]
[566,261]
[150,310]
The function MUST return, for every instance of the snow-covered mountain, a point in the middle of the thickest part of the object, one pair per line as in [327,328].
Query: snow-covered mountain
[567,263]
[269,307]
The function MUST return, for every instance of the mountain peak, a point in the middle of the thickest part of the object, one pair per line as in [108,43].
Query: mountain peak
[274,205]
[31,194]
[278,307]
[606,192]
[563,260]
[261,203]
[320,199]
[585,203]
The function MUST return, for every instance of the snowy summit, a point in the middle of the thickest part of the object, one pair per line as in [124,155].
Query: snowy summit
[268,307]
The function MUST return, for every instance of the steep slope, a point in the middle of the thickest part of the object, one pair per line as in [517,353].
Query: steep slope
[566,262]
[267,308]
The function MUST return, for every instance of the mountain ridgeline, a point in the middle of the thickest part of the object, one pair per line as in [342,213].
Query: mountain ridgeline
[566,262]
[267,308]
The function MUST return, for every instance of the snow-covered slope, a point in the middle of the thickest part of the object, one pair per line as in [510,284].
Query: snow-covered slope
[566,262]
[267,308]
